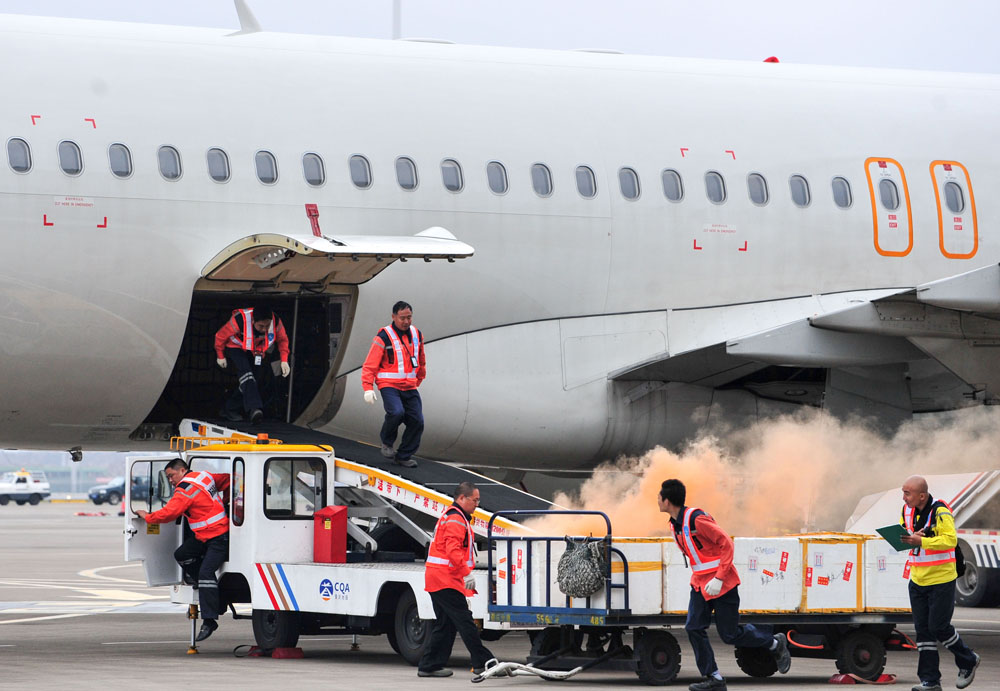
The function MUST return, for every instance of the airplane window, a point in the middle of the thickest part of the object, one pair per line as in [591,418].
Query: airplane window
[800,190]
[313,169]
[70,158]
[954,198]
[715,187]
[120,159]
[496,176]
[541,179]
[673,189]
[170,162]
[628,180]
[218,165]
[406,173]
[888,194]
[19,155]
[757,187]
[451,174]
[842,193]
[361,172]
[267,167]
[586,183]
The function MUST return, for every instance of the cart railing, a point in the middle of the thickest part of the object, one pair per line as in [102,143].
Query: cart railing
[548,612]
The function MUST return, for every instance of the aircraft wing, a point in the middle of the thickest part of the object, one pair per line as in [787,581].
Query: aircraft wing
[889,353]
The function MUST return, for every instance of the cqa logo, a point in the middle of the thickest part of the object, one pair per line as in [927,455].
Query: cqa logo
[326,589]
[337,591]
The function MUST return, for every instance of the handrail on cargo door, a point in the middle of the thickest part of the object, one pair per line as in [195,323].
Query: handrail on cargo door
[547,613]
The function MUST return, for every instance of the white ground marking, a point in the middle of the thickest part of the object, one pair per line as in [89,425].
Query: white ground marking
[55,616]
[93,573]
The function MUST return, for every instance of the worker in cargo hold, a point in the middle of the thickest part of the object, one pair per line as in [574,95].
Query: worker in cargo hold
[250,350]
[198,496]
[933,572]
[395,366]
[708,551]
[451,557]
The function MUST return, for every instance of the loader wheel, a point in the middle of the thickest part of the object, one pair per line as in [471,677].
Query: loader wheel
[412,634]
[273,629]
[756,662]
[861,653]
[977,587]
[657,657]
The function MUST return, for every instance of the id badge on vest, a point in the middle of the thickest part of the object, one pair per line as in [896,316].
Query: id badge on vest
[413,360]
[258,359]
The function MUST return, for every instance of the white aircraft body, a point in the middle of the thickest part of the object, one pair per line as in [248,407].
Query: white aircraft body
[720,270]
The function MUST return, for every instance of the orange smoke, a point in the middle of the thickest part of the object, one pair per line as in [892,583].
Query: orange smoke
[792,474]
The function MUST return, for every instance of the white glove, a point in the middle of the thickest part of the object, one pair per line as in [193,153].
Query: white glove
[285,369]
[713,587]
[470,583]
[221,362]
[370,397]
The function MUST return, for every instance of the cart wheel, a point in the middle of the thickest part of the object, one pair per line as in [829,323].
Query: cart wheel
[275,629]
[861,653]
[756,662]
[657,657]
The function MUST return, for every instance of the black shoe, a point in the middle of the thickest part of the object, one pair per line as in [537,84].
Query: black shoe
[435,673]
[207,628]
[256,415]
[405,462]
[781,654]
[709,684]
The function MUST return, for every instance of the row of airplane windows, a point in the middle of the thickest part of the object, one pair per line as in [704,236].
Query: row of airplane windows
[314,171]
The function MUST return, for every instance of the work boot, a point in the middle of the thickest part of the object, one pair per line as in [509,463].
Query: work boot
[388,451]
[405,462]
[926,686]
[207,628]
[709,684]
[435,673]
[965,676]
[781,654]
[256,415]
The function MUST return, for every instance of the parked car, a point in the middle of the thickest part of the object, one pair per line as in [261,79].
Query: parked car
[24,487]
[114,491]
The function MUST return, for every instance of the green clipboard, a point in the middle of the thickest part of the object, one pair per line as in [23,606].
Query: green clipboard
[893,534]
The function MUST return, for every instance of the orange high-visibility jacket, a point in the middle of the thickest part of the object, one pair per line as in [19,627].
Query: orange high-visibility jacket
[390,361]
[451,555]
[708,549]
[198,496]
[235,334]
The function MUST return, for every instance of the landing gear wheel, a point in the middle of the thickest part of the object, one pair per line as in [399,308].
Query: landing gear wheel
[412,633]
[114,498]
[861,653]
[756,662]
[977,587]
[273,629]
[657,657]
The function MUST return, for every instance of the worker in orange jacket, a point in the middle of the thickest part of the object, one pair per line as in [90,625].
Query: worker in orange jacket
[248,341]
[450,560]
[396,366]
[708,550]
[198,495]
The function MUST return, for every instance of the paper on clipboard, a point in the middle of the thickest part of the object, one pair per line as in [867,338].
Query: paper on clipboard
[894,535]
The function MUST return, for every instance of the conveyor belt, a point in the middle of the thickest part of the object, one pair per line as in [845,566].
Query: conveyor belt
[441,477]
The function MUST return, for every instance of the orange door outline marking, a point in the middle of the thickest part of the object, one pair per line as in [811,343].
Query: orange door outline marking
[875,206]
[940,211]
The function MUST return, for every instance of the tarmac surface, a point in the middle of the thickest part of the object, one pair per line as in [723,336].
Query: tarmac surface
[73,615]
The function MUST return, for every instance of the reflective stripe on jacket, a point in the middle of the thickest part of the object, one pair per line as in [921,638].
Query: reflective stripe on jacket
[197,496]
[708,549]
[451,555]
[933,562]
[238,333]
[392,365]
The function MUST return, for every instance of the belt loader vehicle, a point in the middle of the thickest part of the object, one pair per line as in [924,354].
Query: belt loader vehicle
[837,596]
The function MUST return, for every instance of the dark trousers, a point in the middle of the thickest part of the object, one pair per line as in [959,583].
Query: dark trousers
[932,607]
[452,614]
[251,378]
[199,561]
[727,623]
[402,408]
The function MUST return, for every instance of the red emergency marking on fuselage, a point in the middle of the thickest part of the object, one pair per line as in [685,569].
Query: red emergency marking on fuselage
[312,211]
[35,119]
[684,151]
[46,221]
[103,225]
[731,153]
[267,587]
[91,121]
[696,245]
[744,248]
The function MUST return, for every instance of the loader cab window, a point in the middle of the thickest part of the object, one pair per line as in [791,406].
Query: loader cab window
[150,490]
[237,491]
[294,488]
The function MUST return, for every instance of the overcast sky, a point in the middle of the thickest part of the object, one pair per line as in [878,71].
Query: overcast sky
[957,35]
